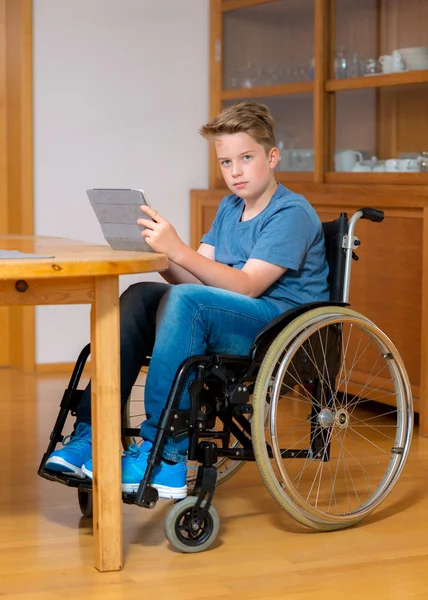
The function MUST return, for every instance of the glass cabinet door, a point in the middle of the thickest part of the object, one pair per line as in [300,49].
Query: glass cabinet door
[355,130]
[268,56]
[356,39]
[268,44]
[382,130]
[379,37]
[380,121]
[364,117]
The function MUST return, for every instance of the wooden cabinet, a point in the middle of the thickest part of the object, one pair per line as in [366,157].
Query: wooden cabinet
[310,62]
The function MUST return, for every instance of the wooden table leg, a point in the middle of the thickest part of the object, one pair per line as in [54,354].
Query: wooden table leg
[105,361]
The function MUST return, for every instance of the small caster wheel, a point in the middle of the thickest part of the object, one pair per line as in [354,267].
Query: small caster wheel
[186,534]
[85,502]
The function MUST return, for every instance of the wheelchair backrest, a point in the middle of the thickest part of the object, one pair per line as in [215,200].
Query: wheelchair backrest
[336,258]
[333,235]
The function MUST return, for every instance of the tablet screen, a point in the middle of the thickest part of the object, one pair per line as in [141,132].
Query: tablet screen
[117,211]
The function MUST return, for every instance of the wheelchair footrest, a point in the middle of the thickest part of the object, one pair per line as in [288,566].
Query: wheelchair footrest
[150,498]
[66,479]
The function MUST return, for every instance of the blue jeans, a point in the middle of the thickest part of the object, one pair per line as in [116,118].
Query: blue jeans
[171,323]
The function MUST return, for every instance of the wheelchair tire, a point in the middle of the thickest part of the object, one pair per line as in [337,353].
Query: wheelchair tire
[340,417]
[85,502]
[180,533]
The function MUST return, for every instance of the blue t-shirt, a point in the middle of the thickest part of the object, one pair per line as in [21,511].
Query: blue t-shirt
[287,233]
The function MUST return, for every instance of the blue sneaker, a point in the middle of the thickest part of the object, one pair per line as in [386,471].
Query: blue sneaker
[169,480]
[77,449]
[143,449]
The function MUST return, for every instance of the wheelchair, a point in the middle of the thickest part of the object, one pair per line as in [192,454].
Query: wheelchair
[300,405]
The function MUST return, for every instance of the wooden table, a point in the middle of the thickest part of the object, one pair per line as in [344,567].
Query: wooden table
[84,273]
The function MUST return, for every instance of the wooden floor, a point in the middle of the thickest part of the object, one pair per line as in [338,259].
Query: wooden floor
[46,546]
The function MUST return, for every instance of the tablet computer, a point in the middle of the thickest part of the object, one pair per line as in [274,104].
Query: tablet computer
[117,211]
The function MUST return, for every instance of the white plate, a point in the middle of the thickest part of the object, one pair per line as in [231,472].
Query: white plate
[415,50]
[393,73]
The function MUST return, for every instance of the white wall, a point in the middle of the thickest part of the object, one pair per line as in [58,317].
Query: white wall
[120,91]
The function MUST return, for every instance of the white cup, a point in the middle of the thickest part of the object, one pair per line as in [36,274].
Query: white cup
[345,160]
[397,62]
[378,168]
[392,165]
[409,165]
[387,63]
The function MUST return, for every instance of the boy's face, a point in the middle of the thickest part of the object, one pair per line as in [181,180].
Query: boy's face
[245,165]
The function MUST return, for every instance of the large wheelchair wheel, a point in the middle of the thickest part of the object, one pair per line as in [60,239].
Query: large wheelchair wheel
[134,414]
[325,454]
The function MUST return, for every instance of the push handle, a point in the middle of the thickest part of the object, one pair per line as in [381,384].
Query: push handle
[350,242]
[372,214]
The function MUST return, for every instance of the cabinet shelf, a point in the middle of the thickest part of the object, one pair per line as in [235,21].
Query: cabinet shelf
[286,176]
[228,5]
[375,81]
[417,178]
[285,89]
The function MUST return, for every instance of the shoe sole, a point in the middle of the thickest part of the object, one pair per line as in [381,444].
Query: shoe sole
[166,492]
[169,493]
[86,472]
[60,462]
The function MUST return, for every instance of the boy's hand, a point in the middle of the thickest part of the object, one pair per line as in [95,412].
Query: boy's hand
[160,234]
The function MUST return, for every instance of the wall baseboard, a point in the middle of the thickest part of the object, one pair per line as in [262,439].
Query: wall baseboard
[67,368]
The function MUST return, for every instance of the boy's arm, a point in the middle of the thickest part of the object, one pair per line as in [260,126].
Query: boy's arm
[252,280]
[177,274]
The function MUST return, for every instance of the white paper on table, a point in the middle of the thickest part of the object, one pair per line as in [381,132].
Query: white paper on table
[16,254]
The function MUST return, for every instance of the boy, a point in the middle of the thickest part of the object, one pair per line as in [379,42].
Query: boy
[263,255]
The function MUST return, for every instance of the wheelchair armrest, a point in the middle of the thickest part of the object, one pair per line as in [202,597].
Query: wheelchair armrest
[265,338]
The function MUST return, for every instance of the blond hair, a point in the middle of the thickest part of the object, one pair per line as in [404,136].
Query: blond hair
[248,117]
